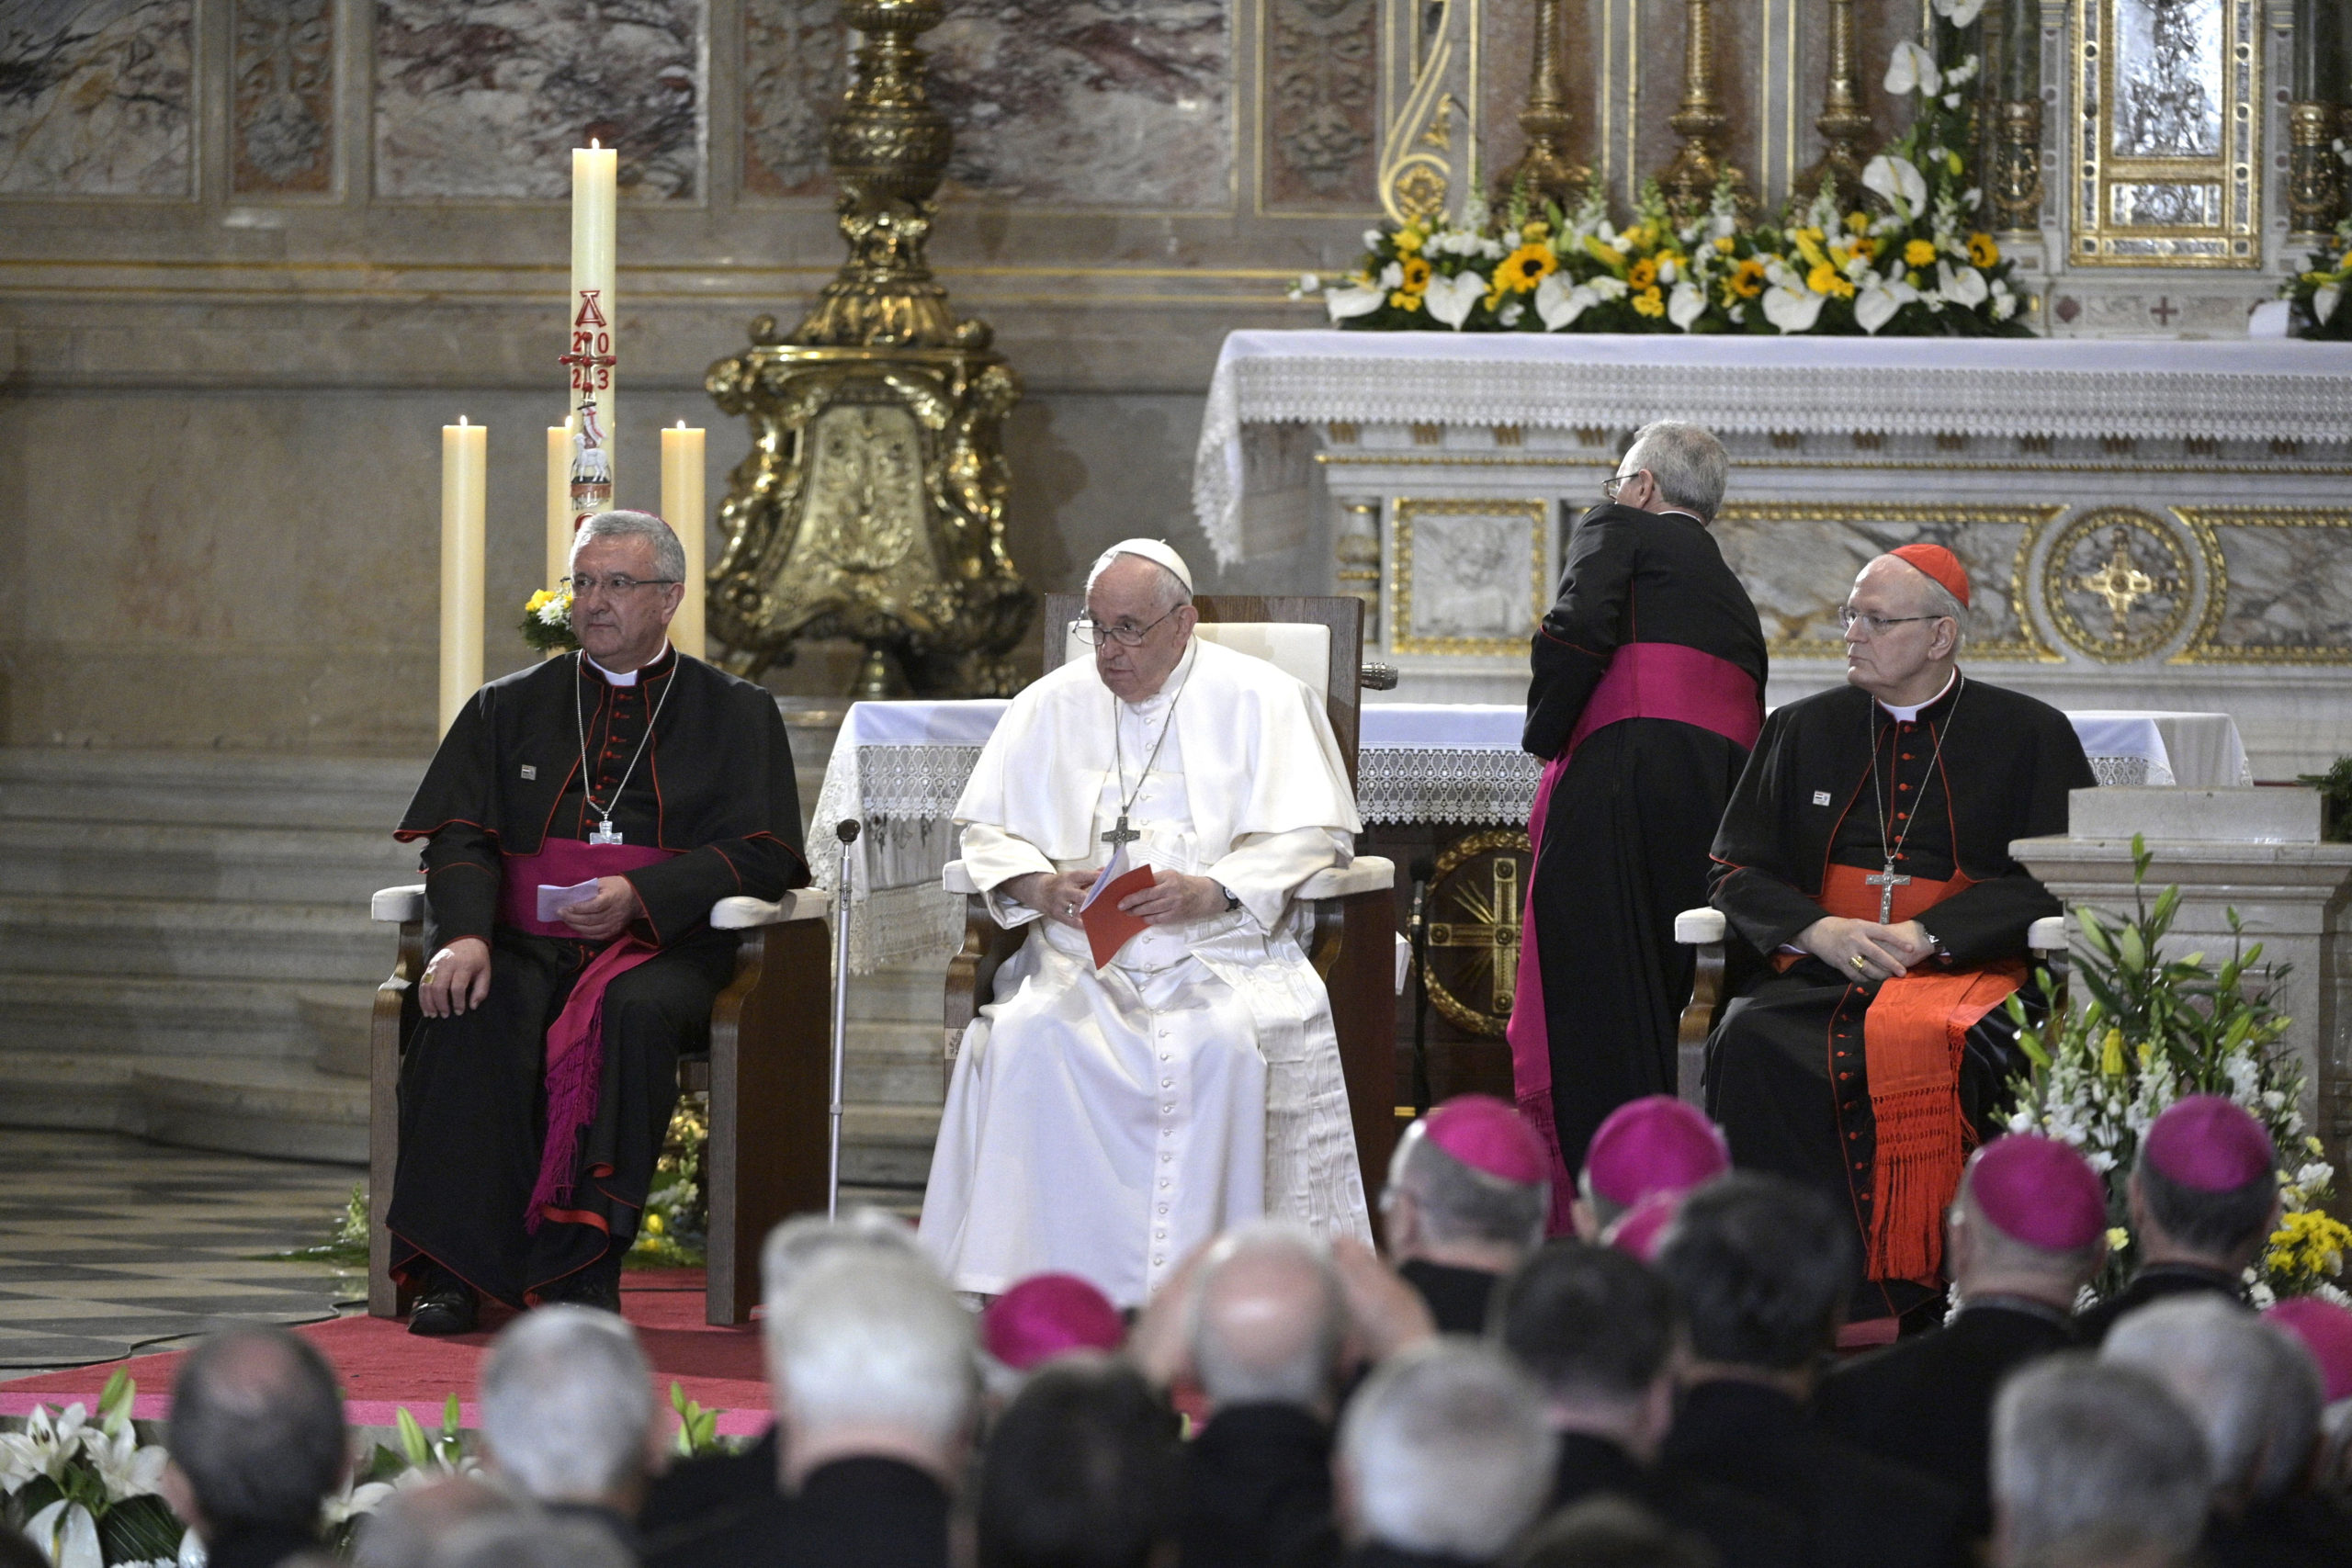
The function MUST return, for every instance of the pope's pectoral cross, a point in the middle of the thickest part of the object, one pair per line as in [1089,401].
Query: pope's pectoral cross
[1886,882]
[1122,835]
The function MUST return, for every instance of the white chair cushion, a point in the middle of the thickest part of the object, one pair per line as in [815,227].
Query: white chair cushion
[1298,649]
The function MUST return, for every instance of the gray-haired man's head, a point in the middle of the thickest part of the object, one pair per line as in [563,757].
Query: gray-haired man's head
[1268,1319]
[1685,461]
[1446,1449]
[669,555]
[2253,1391]
[870,1353]
[2084,1448]
[567,1407]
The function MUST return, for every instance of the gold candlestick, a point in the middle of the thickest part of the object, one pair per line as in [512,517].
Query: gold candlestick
[2315,175]
[2016,186]
[1691,179]
[1844,123]
[1546,168]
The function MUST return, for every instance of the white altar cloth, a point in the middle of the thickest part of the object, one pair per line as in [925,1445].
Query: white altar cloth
[900,767]
[2266,388]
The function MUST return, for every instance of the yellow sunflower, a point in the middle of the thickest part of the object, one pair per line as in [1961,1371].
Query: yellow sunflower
[1748,278]
[1650,302]
[1982,250]
[1416,273]
[1643,274]
[1525,267]
[1919,252]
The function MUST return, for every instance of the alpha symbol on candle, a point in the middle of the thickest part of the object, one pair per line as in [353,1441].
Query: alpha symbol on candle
[591,313]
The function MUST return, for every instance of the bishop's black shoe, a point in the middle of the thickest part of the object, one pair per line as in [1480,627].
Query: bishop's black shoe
[448,1306]
[598,1286]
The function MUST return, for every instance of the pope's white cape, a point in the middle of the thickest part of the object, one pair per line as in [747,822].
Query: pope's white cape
[1103,1123]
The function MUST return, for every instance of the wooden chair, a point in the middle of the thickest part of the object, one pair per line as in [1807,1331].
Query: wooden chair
[768,1073]
[1703,928]
[1354,942]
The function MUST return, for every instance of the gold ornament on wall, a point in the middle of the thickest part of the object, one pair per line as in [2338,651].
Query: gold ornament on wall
[1474,944]
[872,504]
[2117,584]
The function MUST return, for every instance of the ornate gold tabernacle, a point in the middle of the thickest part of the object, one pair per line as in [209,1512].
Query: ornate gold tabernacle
[872,504]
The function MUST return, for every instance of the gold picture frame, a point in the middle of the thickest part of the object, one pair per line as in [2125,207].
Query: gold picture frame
[2205,524]
[1411,618]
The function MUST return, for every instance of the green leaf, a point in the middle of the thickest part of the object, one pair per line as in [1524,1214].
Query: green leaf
[412,1440]
[450,1415]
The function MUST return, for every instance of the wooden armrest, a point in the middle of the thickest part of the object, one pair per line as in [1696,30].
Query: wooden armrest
[397,906]
[1699,928]
[956,878]
[2047,934]
[1365,873]
[741,914]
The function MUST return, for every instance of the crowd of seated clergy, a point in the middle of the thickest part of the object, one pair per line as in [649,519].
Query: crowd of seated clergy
[1663,1388]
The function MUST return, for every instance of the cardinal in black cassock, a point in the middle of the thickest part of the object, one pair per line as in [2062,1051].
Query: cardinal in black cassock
[1865,860]
[536,1093]
[1647,691]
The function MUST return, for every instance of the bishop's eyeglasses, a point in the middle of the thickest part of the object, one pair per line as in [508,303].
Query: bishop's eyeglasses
[1127,633]
[617,586]
[1873,626]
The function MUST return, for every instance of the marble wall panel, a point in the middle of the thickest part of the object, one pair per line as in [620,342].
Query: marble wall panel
[486,98]
[794,64]
[96,97]
[2290,595]
[282,121]
[1321,107]
[1088,103]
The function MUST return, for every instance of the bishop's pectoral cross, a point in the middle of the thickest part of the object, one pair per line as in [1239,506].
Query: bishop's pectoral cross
[1886,882]
[1122,835]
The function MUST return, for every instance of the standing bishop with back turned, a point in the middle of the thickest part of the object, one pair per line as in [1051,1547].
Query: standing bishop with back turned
[1105,1122]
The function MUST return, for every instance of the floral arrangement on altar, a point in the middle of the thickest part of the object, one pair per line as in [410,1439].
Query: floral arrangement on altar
[2154,1030]
[547,621]
[1910,266]
[2316,294]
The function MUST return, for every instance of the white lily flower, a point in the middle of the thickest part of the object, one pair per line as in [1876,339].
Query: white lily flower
[126,1469]
[1959,13]
[1899,181]
[1962,286]
[1355,300]
[66,1534]
[1451,299]
[2323,300]
[1686,304]
[1911,69]
[1793,309]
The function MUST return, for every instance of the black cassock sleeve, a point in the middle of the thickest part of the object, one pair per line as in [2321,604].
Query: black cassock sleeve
[677,893]
[461,855]
[1572,649]
[1990,921]
[1754,880]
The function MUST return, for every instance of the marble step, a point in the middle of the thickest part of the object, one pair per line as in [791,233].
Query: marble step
[887,1145]
[324,1025]
[192,938]
[220,789]
[284,1109]
[175,860]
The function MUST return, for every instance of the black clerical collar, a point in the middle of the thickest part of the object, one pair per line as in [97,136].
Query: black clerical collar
[659,667]
[2025,1306]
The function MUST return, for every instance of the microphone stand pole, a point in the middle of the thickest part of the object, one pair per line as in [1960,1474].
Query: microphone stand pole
[846,831]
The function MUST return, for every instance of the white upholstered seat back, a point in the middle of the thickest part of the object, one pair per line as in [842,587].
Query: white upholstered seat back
[1295,648]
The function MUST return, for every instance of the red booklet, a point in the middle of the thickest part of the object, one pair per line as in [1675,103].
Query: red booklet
[1107,926]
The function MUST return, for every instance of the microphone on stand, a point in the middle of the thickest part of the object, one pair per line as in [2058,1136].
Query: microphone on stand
[1417,928]
[846,831]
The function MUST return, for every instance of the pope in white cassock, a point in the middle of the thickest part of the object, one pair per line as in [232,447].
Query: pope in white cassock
[1105,1122]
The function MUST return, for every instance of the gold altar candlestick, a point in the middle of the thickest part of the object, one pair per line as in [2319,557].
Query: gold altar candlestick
[465,468]
[682,463]
[1691,179]
[1546,168]
[2014,187]
[1844,123]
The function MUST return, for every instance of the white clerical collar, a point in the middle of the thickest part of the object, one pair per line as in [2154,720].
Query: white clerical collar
[623,678]
[1911,715]
[1171,686]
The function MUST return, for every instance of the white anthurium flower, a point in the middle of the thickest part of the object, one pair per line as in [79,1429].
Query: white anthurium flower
[1962,286]
[66,1534]
[1959,13]
[1899,181]
[1451,299]
[1686,305]
[1879,302]
[1911,69]
[2323,301]
[1608,288]
[1793,309]
[1355,300]
[192,1552]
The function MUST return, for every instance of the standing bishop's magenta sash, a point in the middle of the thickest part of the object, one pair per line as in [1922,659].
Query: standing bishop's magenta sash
[1645,680]
[575,1048]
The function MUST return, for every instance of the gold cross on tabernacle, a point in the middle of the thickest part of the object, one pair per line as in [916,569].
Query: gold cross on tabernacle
[2119,581]
[1494,928]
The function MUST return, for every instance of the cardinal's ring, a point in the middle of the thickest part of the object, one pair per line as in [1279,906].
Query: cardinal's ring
[1859,963]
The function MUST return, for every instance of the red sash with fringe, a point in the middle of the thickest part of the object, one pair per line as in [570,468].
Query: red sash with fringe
[575,1049]
[1645,680]
[1912,1040]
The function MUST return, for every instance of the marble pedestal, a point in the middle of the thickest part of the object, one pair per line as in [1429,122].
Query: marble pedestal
[2254,851]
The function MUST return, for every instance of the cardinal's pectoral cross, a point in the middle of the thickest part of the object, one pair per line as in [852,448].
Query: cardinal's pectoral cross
[1122,835]
[1886,882]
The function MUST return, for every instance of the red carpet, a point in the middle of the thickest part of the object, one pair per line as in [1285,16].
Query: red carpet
[383,1366]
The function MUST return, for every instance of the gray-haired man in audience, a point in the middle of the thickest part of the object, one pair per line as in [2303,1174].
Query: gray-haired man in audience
[2089,1453]
[257,1446]
[567,1415]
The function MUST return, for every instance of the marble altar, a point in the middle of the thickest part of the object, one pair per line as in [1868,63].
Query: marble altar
[2148,524]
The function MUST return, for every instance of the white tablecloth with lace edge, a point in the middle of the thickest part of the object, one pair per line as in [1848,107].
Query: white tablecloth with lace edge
[899,768]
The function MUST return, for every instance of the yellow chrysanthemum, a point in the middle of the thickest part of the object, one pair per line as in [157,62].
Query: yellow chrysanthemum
[1857,222]
[1642,274]
[1748,278]
[1823,278]
[1524,268]
[1650,302]
[1919,252]
[1723,244]
[1982,250]
[1408,240]
[538,601]
[1535,229]
[1405,299]
[1639,237]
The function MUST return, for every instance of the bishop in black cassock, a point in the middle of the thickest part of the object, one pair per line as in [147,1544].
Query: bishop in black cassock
[671,783]
[1864,860]
[1647,690]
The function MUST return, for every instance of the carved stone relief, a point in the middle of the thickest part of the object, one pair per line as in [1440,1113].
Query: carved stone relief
[1322,102]
[283,118]
[793,75]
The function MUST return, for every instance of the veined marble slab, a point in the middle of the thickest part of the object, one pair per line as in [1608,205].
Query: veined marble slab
[1088,103]
[795,65]
[486,98]
[95,97]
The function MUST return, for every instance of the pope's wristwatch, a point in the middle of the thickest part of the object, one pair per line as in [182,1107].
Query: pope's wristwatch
[1232,899]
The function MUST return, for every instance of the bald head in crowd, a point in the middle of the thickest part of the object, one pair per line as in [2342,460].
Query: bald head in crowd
[2252,1391]
[1269,1320]
[2085,1451]
[1446,1451]
[257,1437]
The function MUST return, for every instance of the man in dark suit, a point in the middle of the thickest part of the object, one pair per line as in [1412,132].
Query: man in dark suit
[870,1362]
[257,1445]
[1762,1265]
[1117,1508]
[1467,1190]
[1599,1328]
[2204,1198]
[2028,1230]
